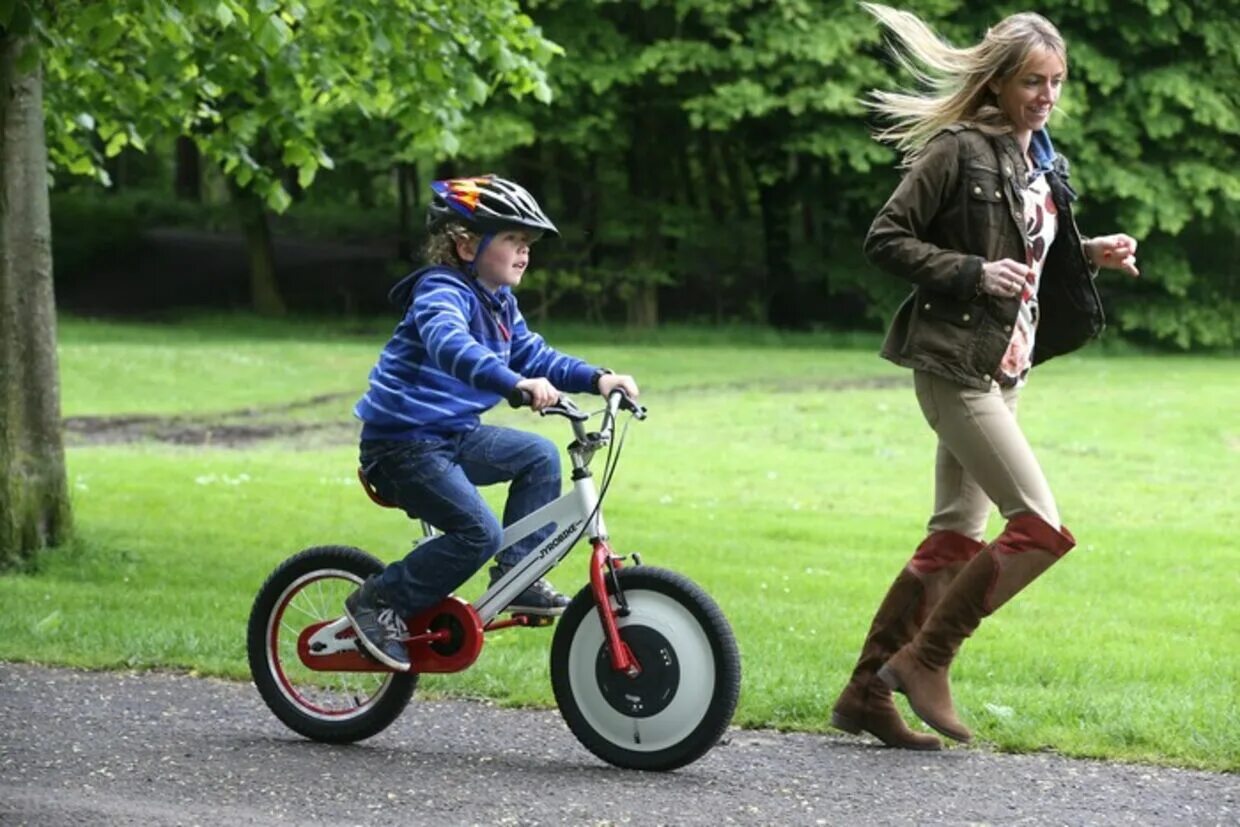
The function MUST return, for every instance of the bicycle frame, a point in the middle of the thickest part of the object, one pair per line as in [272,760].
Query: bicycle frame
[454,629]
[565,517]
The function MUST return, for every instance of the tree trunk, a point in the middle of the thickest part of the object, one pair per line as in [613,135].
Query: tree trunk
[358,174]
[649,164]
[34,497]
[188,177]
[642,310]
[265,296]
[782,301]
[406,184]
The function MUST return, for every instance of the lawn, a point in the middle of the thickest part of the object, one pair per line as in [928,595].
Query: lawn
[788,475]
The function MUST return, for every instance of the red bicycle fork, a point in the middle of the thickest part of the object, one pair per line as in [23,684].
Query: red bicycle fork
[603,564]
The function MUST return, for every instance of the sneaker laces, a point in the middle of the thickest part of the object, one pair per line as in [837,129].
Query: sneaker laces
[393,627]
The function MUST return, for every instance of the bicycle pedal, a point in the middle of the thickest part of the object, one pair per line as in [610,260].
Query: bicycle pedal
[534,621]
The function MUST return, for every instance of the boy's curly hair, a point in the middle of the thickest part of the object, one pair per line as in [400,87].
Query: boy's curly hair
[441,245]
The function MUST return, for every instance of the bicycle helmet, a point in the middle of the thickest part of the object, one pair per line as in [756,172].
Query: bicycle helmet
[486,204]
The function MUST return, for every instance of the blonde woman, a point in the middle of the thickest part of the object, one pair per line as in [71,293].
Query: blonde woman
[981,225]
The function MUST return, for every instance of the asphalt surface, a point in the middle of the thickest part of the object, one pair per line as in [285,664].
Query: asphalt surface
[162,749]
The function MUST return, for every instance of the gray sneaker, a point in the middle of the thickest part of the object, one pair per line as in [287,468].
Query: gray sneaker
[380,628]
[539,599]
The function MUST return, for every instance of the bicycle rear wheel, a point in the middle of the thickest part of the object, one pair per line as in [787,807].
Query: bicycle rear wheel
[682,702]
[335,707]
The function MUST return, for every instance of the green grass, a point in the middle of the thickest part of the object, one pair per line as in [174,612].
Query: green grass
[769,471]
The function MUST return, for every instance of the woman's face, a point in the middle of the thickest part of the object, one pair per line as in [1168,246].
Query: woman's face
[1028,96]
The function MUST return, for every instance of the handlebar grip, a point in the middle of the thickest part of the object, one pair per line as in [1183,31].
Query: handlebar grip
[519,398]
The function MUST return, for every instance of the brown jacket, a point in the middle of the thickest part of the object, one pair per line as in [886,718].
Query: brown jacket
[958,206]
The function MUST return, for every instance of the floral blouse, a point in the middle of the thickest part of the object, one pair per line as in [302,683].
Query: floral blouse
[1041,222]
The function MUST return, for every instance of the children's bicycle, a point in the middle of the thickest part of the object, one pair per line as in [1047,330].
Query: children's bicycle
[644,665]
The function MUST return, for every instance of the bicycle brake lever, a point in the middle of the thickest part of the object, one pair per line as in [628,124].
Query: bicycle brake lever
[566,409]
[627,403]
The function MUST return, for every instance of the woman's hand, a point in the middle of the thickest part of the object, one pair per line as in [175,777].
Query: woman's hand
[1114,252]
[542,393]
[610,381]
[1006,277]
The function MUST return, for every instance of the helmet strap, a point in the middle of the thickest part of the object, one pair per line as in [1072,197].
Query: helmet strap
[472,267]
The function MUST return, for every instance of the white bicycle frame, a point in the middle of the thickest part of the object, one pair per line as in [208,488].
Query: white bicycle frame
[571,516]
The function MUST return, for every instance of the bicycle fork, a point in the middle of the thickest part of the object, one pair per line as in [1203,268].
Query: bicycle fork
[603,566]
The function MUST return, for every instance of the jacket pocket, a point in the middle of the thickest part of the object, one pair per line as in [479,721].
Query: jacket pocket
[942,332]
[986,209]
[984,186]
[943,308]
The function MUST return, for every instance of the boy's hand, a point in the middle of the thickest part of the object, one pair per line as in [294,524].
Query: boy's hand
[542,393]
[610,381]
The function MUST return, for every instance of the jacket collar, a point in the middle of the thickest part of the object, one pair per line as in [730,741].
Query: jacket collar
[1042,152]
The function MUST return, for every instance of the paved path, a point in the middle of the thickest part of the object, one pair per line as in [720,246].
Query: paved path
[160,749]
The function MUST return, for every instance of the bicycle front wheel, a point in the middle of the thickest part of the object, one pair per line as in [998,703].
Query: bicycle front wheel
[335,707]
[682,702]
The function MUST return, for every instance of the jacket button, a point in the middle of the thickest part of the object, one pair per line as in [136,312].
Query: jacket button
[1007,328]
[977,190]
[965,317]
[1007,168]
[926,306]
[998,194]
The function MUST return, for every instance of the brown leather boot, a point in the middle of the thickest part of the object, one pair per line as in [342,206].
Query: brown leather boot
[1027,547]
[865,704]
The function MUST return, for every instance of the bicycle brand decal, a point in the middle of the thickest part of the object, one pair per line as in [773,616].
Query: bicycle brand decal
[558,539]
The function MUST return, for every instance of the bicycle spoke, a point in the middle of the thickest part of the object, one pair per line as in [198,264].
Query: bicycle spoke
[347,693]
[315,616]
[317,601]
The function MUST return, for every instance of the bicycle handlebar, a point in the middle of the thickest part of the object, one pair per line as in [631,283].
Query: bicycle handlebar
[617,400]
[563,407]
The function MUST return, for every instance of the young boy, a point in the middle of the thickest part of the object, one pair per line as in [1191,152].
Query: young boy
[461,348]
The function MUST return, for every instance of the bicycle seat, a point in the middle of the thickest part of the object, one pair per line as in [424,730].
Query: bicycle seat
[370,490]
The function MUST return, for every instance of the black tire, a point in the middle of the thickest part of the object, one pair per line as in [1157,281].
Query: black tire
[683,701]
[334,707]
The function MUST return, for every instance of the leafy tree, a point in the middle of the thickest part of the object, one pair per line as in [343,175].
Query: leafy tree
[716,150]
[257,82]
[253,82]
[701,137]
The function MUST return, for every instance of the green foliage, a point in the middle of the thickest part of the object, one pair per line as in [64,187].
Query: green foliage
[712,116]
[719,144]
[255,82]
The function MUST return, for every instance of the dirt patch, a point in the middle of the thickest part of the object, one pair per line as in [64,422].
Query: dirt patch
[230,429]
[250,426]
[104,430]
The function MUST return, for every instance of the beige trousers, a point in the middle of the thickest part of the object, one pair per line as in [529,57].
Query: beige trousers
[982,457]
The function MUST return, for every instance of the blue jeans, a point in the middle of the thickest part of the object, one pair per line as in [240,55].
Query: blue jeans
[435,480]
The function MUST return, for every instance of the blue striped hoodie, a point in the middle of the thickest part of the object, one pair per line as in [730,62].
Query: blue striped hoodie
[458,352]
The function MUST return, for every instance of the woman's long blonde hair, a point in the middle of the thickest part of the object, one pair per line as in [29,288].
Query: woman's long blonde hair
[957,81]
